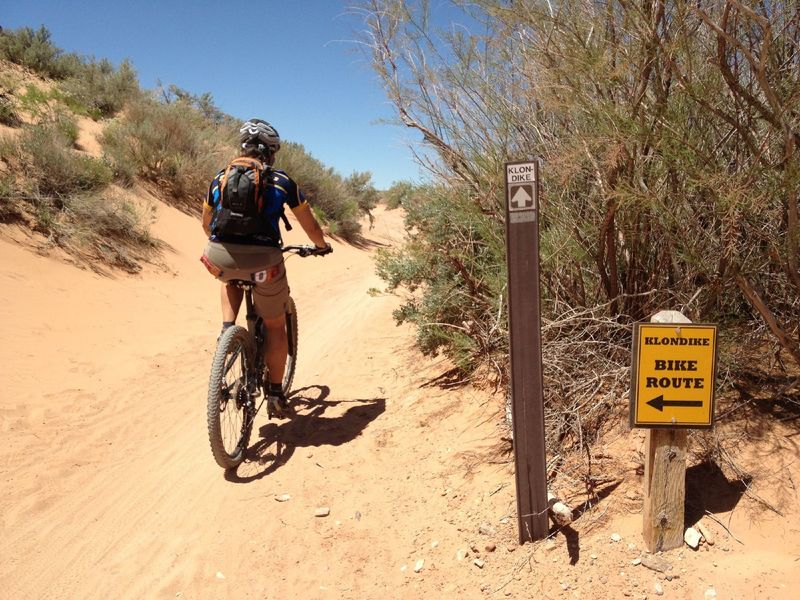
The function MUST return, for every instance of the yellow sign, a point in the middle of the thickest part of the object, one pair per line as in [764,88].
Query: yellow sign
[672,376]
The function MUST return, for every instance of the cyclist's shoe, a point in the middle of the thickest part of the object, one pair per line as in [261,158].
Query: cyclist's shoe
[277,404]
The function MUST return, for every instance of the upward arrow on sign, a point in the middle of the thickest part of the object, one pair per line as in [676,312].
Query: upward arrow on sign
[521,198]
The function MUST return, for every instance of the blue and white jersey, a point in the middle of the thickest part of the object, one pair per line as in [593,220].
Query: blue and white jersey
[278,190]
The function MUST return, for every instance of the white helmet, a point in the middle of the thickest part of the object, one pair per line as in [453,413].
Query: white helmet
[257,134]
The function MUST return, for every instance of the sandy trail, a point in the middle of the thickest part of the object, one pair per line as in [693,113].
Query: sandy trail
[109,487]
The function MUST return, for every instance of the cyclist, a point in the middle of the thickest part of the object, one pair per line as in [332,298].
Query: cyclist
[258,257]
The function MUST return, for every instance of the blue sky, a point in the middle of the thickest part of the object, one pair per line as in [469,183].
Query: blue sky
[292,62]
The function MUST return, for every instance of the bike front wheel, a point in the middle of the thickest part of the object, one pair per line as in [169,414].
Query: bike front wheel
[231,390]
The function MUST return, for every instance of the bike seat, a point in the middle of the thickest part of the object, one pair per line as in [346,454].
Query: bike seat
[242,283]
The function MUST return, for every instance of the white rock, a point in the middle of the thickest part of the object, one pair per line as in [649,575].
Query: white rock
[636,561]
[418,565]
[461,554]
[615,537]
[434,543]
[659,589]
[710,594]
[220,575]
[478,563]
[404,568]
[692,537]
[322,511]
[486,529]
[283,498]
[593,556]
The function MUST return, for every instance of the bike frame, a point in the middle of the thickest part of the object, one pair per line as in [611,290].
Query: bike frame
[243,391]
[255,323]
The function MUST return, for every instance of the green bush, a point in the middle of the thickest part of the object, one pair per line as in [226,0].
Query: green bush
[170,145]
[64,195]
[102,89]
[400,192]
[34,100]
[339,203]
[33,49]
[10,209]
[109,229]
[8,114]
[67,127]
[57,170]
[455,255]
[90,87]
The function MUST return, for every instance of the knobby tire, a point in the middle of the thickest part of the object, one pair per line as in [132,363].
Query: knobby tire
[230,402]
[291,334]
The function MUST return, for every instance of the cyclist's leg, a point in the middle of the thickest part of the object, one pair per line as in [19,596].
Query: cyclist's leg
[265,267]
[276,348]
[231,299]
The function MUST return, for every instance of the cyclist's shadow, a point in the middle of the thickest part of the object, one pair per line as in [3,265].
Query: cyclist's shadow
[278,441]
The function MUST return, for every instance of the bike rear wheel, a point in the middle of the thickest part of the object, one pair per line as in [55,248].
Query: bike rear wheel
[231,389]
[291,334]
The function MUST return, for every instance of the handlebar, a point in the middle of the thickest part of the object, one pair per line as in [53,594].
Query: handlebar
[308,250]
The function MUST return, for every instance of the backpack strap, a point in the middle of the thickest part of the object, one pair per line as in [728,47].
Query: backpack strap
[267,172]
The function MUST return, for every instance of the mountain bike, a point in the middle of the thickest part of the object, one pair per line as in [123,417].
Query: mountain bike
[238,375]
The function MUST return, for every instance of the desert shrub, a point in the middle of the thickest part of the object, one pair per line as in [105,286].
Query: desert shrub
[204,103]
[102,89]
[73,104]
[67,128]
[64,196]
[34,100]
[358,187]
[339,203]
[400,192]
[34,49]
[8,114]
[455,255]
[170,145]
[59,171]
[10,209]
[91,87]
[108,229]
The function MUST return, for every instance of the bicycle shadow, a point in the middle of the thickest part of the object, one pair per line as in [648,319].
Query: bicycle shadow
[308,427]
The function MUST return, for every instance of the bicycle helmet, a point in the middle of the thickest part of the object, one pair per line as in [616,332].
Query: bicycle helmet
[257,134]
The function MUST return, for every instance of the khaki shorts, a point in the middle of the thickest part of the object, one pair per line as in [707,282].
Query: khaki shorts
[262,265]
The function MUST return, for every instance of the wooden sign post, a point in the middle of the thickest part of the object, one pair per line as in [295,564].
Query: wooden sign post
[672,389]
[527,398]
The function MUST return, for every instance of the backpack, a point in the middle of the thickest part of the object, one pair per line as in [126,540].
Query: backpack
[241,187]
[241,198]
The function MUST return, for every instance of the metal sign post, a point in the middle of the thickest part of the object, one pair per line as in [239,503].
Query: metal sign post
[524,313]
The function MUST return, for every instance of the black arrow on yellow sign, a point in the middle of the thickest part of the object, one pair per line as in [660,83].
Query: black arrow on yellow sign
[659,403]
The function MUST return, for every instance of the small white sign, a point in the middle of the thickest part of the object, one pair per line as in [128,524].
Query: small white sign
[521,190]
[520,173]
